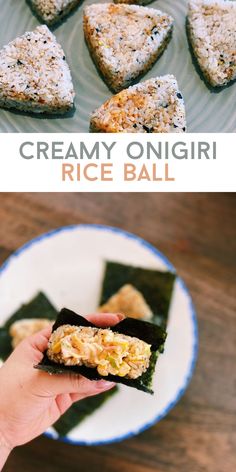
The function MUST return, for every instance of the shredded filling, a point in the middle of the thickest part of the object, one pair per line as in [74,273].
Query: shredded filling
[108,352]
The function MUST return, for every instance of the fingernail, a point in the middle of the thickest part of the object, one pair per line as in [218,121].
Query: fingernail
[103,384]
[120,316]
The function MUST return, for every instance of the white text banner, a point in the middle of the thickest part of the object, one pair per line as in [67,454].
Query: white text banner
[86,162]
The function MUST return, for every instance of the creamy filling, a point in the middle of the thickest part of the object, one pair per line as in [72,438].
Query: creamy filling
[108,352]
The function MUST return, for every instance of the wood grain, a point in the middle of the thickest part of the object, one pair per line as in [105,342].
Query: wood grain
[197,232]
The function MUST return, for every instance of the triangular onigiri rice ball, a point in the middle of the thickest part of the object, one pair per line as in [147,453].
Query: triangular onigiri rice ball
[125,40]
[52,11]
[129,301]
[34,74]
[212,32]
[153,106]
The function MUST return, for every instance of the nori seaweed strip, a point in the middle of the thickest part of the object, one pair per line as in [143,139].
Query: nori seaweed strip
[80,410]
[150,333]
[5,344]
[156,287]
[38,307]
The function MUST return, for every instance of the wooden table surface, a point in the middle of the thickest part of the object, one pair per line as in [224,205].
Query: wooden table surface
[197,232]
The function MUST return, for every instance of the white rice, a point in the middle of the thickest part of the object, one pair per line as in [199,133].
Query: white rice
[153,106]
[53,10]
[34,75]
[212,31]
[125,40]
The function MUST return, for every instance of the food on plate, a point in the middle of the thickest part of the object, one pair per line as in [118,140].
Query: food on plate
[52,11]
[155,286]
[125,40]
[129,301]
[153,106]
[212,33]
[34,74]
[21,329]
[125,353]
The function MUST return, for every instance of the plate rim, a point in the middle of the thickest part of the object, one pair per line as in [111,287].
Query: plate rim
[193,314]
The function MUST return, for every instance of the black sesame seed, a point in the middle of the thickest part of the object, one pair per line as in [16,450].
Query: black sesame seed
[98,30]
[179,95]
[44,42]
[175,126]
[184,128]
[147,129]
[19,63]
[154,30]
[152,38]
[135,125]
[64,58]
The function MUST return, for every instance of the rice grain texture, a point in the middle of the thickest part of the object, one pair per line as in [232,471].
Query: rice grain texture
[212,32]
[52,11]
[134,2]
[153,106]
[34,74]
[129,301]
[125,40]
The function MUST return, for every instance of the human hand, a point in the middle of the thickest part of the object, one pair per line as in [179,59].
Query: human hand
[32,400]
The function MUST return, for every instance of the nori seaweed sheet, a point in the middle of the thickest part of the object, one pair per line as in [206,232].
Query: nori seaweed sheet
[38,307]
[155,286]
[148,332]
[80,410]
[41,307]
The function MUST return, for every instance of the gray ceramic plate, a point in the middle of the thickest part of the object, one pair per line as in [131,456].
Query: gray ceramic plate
[207,111]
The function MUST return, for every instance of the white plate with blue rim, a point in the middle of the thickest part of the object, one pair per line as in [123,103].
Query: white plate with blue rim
[68,265]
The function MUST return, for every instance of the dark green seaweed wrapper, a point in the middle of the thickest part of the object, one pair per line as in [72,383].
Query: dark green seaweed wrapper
[38,307]
[80,410]
[148,332]
[155,286]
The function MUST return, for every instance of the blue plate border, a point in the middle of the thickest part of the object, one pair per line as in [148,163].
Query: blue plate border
[154,250]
